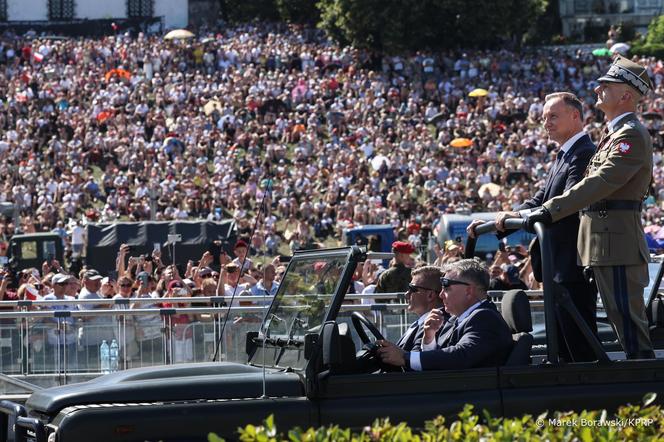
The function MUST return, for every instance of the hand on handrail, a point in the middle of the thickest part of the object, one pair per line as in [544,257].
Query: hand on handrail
[539,215]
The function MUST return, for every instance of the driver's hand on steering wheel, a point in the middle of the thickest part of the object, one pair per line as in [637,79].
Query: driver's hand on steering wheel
[390,354]
[433,322]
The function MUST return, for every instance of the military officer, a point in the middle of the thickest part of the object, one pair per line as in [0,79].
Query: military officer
[611,238]
[397,277]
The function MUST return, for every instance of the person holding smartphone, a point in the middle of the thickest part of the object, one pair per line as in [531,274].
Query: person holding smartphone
[93,329]
[181,332]
[148,326]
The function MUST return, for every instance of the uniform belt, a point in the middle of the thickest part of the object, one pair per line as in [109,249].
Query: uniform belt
[606,205]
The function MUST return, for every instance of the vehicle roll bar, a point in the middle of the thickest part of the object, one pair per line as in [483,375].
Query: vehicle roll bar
[555,295]
[9,415]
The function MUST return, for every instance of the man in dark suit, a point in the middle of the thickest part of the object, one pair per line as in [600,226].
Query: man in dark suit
[563,121]
[422,297]
[475,336]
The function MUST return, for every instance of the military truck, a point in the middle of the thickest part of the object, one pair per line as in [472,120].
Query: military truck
[32,249]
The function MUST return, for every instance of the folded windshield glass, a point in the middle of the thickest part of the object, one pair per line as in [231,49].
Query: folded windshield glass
[300,307]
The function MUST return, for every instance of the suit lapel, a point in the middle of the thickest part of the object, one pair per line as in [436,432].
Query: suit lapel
[448,336]
[409,336]
[447,333]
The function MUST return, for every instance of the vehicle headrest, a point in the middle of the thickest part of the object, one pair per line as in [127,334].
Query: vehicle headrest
[515,309]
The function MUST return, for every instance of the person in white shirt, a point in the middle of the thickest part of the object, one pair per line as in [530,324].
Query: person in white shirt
[93,329]
[62,337]
[77,234]
[475,336]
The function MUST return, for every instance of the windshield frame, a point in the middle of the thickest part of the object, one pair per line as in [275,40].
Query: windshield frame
[351,256]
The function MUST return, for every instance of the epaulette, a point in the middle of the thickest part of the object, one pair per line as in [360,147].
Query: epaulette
[627,126]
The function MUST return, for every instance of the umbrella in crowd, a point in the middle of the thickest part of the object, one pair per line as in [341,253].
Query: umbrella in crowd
[121,73]
[493,188]
[620,48]
[211,106]
[179,34]
[378,160]
[104,115]
[602,52]
[461,142]
[478,93]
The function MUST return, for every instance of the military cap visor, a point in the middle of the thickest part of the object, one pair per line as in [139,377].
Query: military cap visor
[624,71]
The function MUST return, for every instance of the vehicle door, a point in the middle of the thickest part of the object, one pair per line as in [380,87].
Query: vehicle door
[355,400]
[537,388]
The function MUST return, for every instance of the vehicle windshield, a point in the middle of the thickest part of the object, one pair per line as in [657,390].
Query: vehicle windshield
[300,307]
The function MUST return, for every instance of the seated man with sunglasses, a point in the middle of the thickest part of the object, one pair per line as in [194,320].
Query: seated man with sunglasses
[422,297]
[475,336]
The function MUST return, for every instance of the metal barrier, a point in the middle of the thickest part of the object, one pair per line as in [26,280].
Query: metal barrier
[66,342]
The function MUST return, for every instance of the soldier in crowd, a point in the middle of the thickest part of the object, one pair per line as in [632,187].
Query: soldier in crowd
[397,277]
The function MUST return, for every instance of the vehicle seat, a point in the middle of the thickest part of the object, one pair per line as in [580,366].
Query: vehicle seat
[338,349]
[656,318]
[515,309]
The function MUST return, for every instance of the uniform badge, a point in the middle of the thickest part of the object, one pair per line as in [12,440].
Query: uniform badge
[624,147]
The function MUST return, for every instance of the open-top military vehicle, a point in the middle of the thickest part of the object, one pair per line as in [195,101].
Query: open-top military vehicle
[312,363]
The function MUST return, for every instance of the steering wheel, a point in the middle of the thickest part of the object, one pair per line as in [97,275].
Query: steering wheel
[360,320]
[367,357]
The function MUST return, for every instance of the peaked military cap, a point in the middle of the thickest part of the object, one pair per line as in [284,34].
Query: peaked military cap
[626,71]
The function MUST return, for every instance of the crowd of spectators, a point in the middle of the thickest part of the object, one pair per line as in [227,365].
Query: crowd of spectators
[137,127]
[140,277]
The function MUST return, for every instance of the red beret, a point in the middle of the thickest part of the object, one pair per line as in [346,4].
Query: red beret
[402,247]
[241,243]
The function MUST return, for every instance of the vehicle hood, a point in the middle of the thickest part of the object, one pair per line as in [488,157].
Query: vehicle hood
[183,382]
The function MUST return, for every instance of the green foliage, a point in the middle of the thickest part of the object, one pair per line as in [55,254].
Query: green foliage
[244,11]
[298,11]
[396,25]
[653,44]
[632,423]
[655,31]
[648,50]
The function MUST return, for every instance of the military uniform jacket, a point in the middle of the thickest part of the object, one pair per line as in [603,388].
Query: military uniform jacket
[394,280]
[621,169]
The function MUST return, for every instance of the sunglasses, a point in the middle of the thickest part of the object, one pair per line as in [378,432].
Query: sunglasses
[416,288]
[125,285]
[447,282]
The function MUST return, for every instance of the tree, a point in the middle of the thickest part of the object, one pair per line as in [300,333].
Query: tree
[391,25]
[656,31]
[298,11]
[244,11]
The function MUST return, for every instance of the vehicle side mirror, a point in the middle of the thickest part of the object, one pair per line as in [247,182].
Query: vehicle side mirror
[331,350]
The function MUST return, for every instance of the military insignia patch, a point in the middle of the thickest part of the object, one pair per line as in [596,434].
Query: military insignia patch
[624,147]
